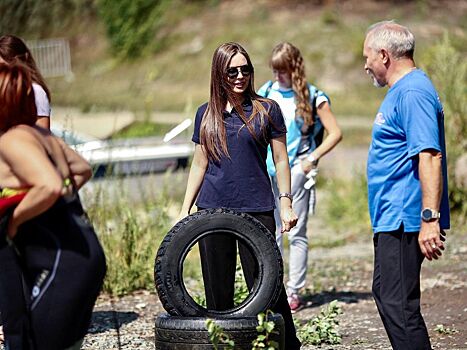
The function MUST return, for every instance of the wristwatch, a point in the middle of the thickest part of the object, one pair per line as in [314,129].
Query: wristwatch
[286,194]
[429,214]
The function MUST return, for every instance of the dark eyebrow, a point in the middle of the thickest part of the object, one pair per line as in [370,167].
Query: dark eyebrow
[243,65]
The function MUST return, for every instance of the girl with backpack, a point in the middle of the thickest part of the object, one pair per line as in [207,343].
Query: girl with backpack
[307,115]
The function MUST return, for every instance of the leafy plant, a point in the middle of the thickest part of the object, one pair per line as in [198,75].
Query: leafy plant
[241,290]
[265,329]
[217,336]
[200,299]
[441,329]
[322,329]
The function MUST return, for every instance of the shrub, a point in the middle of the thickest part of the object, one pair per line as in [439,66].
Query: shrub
[447,67]
[132,25]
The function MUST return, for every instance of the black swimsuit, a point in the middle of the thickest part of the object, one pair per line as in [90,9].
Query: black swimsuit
[50,278]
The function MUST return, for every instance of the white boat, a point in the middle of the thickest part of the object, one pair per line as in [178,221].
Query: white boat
[130,156]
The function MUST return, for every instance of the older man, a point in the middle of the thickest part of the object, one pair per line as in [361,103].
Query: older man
[407,187]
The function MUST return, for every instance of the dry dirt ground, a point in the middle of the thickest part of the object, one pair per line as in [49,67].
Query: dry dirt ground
[342,273]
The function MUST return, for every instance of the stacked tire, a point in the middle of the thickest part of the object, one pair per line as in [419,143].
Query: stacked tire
[184,327]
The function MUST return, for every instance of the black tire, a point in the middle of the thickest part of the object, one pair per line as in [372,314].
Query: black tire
[168,270]
[190,333]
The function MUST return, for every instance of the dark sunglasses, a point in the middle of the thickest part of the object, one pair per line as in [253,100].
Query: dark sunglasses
[232,72]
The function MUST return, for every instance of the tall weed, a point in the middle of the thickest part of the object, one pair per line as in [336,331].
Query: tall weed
[130,235]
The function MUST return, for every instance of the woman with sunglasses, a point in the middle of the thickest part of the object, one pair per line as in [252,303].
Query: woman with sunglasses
[13,49]
[307,114]
[232,133]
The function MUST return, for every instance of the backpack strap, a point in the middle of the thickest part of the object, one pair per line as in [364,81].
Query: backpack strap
[308,129]
[314,108]
[268,89]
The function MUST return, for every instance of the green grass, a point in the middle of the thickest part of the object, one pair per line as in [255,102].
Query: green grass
[346,209]
[130,232]
[143,128]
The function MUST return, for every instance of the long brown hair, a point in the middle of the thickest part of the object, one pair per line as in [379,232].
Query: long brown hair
[212,131]
[17,96]
[14,49]
[286,57]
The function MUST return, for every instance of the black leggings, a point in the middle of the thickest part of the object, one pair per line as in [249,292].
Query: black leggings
[50,279]
[218,262]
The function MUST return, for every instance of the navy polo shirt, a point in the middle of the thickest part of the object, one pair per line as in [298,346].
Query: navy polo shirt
[241,182]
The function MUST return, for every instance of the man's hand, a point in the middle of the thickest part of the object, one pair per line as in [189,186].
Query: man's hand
[431,239]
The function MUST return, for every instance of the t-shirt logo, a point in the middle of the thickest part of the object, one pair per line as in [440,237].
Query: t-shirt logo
[379,119]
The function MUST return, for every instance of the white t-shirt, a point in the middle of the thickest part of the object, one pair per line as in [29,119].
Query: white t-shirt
[42,101]
[286,100]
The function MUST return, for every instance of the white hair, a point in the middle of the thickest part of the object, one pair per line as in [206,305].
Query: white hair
[397,39]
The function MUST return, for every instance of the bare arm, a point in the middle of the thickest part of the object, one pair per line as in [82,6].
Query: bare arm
[29,163]
[43,122]
[195,179]
[281,162]
[431,181]
[80,169]
[334,135]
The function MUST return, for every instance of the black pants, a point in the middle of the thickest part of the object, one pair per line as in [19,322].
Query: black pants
[218,262]
[50,279]
[396,289]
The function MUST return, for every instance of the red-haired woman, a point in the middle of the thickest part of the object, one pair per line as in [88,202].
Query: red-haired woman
[13,49]
[52,265]
[232,134]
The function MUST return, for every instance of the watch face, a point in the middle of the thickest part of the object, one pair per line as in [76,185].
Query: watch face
[427,214]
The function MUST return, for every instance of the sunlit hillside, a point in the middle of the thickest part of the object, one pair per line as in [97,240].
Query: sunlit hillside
[175,74]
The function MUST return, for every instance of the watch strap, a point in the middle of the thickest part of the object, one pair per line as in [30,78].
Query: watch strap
[286,194]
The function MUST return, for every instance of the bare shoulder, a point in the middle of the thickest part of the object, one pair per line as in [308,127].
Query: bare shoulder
[19,138]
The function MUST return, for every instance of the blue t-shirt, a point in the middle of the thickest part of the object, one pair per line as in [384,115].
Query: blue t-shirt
[241,182]
[409,121]
[286,100]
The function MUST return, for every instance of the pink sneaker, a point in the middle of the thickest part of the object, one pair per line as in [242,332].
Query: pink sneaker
[294,302]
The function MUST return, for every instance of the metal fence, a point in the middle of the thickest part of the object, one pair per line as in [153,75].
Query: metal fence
[52,56]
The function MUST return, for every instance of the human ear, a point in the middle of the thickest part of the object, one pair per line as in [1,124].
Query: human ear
[384,54]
